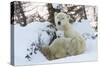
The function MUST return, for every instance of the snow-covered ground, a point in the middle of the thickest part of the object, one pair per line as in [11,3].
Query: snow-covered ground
[25,36]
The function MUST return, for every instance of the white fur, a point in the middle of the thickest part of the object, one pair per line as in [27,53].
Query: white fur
[59,34]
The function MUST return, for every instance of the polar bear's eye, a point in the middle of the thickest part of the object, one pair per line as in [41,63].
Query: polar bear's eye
[59,23]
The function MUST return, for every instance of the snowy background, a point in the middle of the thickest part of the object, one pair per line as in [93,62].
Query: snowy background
[38,27]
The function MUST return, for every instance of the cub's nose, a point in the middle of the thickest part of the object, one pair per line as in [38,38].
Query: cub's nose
[59,23]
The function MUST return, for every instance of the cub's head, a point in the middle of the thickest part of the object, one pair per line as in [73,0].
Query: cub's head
[61,19]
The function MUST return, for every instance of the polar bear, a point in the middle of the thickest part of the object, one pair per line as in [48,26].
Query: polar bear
[62,24]
[72,43]
[62,47]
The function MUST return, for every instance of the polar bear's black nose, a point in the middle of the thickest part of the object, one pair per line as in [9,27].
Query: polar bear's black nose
[59,23]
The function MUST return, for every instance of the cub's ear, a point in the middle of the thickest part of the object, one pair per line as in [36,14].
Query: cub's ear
[55,13]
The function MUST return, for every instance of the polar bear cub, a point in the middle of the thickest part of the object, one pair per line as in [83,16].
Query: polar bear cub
[62,23]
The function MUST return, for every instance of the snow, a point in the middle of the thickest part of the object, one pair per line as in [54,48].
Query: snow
[25,36]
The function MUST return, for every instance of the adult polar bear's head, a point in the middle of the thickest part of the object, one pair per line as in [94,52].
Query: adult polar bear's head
[62,20]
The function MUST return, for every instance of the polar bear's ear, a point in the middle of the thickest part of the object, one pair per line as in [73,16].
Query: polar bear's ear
[55,13]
